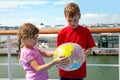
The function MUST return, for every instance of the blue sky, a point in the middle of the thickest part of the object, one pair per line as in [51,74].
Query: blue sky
[50,12]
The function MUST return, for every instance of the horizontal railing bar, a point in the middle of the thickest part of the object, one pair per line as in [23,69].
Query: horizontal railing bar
[103,65]
[12,79]
[55,31]
[105,48]
[20,79]
[4,64]
[105,30]
[55,48]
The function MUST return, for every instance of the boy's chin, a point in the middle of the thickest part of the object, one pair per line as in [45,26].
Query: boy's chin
[73,27]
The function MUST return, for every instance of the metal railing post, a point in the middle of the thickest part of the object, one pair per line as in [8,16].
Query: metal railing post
[9,58]
[119,57]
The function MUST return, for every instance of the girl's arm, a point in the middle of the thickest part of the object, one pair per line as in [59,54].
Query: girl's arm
[46,66]
[46,54]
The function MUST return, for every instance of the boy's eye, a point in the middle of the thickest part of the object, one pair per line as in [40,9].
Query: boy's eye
[69,20]
[75,20]
[72,20]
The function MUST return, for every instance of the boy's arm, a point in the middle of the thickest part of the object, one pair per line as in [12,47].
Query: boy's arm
[87,52]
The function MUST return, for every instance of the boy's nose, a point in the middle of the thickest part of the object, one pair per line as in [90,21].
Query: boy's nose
[72,23]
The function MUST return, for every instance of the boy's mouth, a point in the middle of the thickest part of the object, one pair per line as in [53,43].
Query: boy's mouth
[73,26]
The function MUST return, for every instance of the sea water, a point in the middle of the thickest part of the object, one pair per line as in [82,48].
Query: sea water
[93,72]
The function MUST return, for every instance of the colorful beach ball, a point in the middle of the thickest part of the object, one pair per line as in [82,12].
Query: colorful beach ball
[75,55]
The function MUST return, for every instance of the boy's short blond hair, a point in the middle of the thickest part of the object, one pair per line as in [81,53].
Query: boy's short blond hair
[71,10]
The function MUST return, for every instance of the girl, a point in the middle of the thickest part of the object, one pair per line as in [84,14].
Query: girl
[30,56]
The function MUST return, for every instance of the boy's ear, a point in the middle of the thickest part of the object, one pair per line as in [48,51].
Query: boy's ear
[80,16]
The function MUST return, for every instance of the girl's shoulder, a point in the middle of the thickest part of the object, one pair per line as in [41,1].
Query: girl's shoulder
[25,50]
[29,51]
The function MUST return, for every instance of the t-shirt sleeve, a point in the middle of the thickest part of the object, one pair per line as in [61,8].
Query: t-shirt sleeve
[29,56]
[91,42]
[26,56]
[59,39]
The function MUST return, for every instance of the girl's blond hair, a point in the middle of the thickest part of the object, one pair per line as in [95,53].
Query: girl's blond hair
[26,30]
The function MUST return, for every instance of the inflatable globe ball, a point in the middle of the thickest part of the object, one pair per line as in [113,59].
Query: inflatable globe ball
[74,52]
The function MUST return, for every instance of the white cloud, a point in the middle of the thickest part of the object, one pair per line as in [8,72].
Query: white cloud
[90,15]
[115,17]
[17,22]
[65,2]
[24,7]
[58,18]
[60,2]
[6,10]
[32,20]
[15,4]
[99,18]
[8,22]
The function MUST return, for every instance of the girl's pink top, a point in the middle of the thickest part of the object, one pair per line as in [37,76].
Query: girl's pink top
[26,56]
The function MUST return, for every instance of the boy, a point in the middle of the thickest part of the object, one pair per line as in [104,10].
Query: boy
[75,33]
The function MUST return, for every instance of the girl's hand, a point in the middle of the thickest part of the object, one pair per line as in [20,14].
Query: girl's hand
[62,60]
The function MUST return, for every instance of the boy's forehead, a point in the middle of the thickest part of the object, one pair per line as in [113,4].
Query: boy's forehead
[73,17]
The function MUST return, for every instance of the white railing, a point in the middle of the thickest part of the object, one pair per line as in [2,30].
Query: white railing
[9,58]
[106,30]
